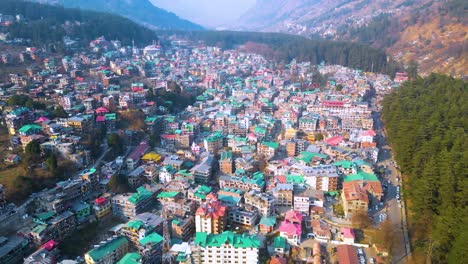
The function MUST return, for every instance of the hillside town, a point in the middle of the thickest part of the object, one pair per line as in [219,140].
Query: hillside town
[185,153]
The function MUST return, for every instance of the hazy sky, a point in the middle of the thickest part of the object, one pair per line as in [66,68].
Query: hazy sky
[209,13]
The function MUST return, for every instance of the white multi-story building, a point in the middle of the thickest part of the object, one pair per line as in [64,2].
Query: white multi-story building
[227,247]
[264,202]
[242,217]
[166,174]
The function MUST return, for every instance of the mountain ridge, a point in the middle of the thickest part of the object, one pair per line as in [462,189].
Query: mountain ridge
[140,11]
[432,33]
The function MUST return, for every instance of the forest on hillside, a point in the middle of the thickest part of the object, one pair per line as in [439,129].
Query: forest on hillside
[49,24]
[426,121]
[284,47]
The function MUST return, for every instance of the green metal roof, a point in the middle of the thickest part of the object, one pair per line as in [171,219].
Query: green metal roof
[111,116]
[27,128]
[214,137]
[140,195]
[102,251]
[295,179]
[308,156]
[151,238]
[279,242]
[184,173]
[274,145]
[39,228]
[130,258]
[226,155]
[344,164]
[167,194]
[229,198]
[362,163]
[45,216]
[268,221]
[361,176]
[260,130]
[236,240]
[136,224]
[181,257]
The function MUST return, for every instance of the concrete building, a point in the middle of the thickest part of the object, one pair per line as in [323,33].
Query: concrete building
[241,217]
[214,143]
[51,227]
[226,163]
[354,198]
[267,149]
[263,202]
[107,252]
[150,248]
[183,228]
[203,171]
[102,207]
[211,216]
[127,206]
[227,247]
[256,182]
[283,193]
[140,227]
[13,249]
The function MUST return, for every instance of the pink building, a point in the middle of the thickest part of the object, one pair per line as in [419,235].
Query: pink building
[291,227]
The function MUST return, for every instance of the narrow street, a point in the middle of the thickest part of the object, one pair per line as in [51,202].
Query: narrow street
[395,210]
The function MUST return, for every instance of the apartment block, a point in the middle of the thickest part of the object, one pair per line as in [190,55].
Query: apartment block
[226,247]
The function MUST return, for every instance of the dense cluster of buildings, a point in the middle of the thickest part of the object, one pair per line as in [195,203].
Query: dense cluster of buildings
[255,153]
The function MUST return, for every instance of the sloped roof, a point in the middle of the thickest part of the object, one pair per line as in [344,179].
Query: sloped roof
[130,258]
[360,176]
[236,240]
[151,238]
[268,221]
[102,251]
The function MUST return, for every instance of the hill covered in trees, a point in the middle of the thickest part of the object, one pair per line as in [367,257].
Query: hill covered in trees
[49,24]
[426,121]
[140,11]
[285,47]
[432,33]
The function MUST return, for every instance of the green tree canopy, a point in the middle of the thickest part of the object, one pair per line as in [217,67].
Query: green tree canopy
[51,163]
[426,121]
[60,112]
[33,148]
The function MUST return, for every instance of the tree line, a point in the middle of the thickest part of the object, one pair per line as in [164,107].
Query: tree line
[49,24]
[285,47]
[426,121]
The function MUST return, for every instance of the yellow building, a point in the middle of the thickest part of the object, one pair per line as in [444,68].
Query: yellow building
[290,133]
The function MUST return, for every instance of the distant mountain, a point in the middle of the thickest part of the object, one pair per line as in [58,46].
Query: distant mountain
[432,33]
[141,11]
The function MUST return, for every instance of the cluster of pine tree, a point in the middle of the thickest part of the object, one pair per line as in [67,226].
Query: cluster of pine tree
[49,24]
[426,121]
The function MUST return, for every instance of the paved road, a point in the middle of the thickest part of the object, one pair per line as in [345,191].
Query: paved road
[395,213]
